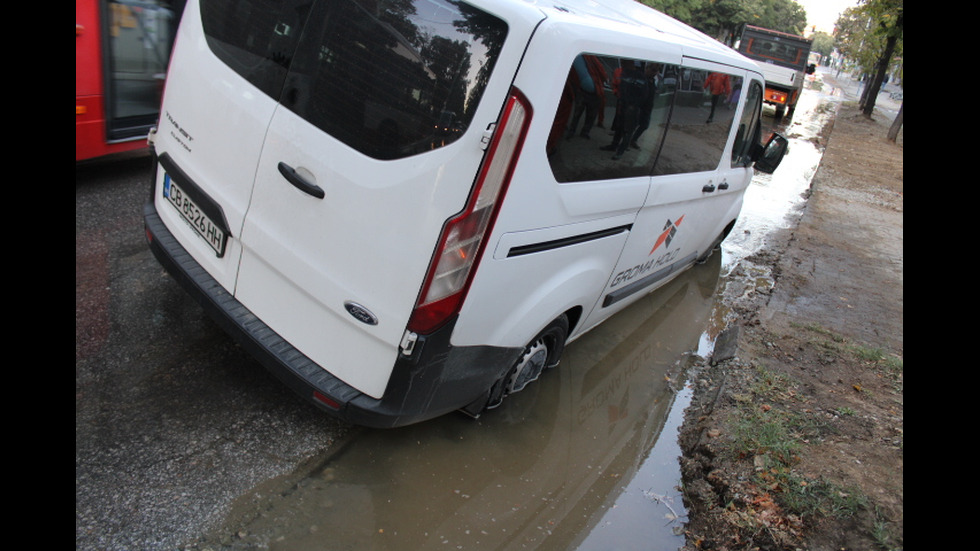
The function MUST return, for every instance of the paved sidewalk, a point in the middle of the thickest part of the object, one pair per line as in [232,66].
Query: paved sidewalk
[886,107]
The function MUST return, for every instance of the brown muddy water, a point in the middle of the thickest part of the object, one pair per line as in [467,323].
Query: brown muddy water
[584,459]
[570,462]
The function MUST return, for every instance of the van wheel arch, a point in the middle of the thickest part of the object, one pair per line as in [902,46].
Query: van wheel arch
[717,242]
[573,315]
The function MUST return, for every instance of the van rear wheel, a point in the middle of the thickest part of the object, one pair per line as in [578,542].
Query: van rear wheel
[542,353]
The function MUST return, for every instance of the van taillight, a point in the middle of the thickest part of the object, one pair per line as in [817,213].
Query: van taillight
[462,240]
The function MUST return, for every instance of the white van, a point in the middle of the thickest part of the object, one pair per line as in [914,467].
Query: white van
[406,208]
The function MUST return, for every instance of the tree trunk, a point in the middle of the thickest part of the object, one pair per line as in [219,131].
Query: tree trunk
[874,85]
[868,101]
[897,123]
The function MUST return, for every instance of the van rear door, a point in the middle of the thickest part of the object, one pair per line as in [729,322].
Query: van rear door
[224,80]
[376,143]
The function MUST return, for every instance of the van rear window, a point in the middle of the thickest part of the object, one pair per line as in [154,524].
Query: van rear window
[256,38]
[389,78]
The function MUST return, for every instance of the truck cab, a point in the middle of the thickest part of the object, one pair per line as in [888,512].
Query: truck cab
[783,59]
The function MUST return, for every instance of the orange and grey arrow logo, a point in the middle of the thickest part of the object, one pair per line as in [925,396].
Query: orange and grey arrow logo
[670,230]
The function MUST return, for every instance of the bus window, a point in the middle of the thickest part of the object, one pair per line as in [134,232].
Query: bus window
[122,49]
[139,39]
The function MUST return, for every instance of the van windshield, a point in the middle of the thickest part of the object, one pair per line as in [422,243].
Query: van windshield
[389,78]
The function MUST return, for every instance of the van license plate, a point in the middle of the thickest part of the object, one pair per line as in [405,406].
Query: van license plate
[192,213]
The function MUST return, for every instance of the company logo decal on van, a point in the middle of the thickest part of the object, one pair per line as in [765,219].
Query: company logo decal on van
[664,259]
[670,230]
[360,313]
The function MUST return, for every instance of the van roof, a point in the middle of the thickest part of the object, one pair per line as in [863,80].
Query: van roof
[634,13]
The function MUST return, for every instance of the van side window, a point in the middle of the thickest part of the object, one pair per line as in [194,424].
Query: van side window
[619,118]
[704,109]
[748,127]
[611,118]
[390,78]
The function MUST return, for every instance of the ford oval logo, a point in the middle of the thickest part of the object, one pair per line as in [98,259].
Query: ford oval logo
[360,313]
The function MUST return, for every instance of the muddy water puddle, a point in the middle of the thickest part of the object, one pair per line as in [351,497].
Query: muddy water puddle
[584,459]
[571,462]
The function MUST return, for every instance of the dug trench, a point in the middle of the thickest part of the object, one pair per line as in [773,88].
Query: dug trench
[794,438]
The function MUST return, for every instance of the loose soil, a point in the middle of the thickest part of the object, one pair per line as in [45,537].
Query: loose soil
[794,438]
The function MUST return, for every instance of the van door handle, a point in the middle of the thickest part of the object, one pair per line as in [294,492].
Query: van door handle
[301,183]
[708,188]
[723,186]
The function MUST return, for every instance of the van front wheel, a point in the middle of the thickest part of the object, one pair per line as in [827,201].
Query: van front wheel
[542,353]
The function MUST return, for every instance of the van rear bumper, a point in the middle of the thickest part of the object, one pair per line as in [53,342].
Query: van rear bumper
[437,379]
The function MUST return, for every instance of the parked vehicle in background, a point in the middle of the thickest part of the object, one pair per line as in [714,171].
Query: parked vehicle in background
[394,206]
[122,48]
[784,59]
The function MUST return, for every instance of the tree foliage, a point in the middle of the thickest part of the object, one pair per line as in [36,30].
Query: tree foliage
[823,43]
[723,18]
[871,35]
[862,33]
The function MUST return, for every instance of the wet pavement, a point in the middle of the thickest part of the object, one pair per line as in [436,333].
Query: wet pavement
[586,458]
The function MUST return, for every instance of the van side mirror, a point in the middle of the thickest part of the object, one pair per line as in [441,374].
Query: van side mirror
[768,158]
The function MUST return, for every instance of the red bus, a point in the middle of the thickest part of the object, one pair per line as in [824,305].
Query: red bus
[122,48]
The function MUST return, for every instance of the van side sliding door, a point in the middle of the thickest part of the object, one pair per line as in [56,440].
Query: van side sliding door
[694,190]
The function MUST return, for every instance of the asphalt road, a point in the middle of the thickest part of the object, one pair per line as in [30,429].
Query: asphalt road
[172,419]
